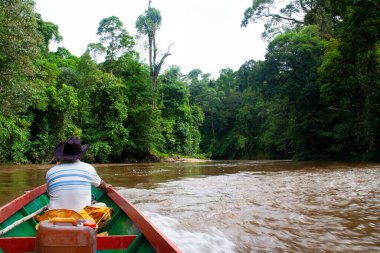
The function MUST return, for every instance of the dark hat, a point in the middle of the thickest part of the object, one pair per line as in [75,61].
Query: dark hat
[70,150]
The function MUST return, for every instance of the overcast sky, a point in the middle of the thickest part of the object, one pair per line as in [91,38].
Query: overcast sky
[206,33]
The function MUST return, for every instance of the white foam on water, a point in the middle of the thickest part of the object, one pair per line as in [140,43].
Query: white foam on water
[213,241]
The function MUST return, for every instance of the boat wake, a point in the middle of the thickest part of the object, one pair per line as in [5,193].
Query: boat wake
[214,241]
[271,210]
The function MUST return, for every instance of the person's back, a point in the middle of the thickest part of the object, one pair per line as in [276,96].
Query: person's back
[69,185]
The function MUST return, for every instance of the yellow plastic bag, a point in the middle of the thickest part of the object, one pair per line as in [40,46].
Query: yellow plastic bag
[101,215]
[98,215]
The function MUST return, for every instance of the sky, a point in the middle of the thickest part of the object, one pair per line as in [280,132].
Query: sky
[206,34]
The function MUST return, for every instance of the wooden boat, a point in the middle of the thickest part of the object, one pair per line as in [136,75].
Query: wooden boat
[128,230]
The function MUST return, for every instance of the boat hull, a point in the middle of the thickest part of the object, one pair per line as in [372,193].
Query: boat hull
[128,229]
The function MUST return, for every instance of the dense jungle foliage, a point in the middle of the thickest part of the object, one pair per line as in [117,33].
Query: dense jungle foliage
[315,96]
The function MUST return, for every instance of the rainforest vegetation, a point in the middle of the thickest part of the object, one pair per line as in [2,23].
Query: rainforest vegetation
[315,96]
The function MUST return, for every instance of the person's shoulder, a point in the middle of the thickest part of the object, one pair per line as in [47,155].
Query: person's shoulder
[54,168]
[86,165]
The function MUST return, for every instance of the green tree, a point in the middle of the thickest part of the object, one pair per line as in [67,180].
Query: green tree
[54,122]
[148,25]
[14,139]
[181,120]
[114,38]
[251,75]
[49,31]
[144,122]
[350,72]
[249,126]
[95,50]
[110,112]
[19,42]
[210,100]
[227,80]
[291,88]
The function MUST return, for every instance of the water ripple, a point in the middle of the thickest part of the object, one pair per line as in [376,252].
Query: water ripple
[309,210]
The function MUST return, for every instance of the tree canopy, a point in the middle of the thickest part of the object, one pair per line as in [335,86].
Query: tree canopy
[292,15]
[315,96]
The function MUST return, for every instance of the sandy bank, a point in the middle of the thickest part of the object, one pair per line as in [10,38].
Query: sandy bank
[184,160]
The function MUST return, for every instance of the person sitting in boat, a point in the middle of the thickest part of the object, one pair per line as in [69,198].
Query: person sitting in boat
[69,182]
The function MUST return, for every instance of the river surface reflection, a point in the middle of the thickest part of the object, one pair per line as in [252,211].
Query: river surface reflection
[244,206]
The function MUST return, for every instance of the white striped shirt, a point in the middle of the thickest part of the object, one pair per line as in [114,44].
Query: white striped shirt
[69,185]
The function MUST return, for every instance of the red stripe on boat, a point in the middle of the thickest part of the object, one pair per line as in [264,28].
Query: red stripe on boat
[9,209]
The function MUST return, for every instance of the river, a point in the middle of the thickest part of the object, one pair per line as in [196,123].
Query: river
[244,206]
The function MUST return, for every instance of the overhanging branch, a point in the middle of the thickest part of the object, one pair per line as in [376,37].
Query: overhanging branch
[282,17]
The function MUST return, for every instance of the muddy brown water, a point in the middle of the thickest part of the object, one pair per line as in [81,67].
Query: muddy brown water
[243,206]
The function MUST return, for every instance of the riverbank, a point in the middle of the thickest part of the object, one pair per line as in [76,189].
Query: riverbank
[172,159]
[184,160]
[155,156]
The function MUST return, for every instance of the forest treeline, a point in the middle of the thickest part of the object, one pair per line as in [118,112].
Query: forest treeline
[315,96]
